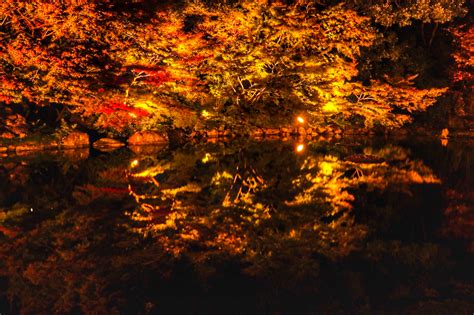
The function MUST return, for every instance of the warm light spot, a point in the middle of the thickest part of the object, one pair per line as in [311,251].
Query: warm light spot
[133,115]
[134,163]
[300,148]
[300,119]
[205,114]
[444,133]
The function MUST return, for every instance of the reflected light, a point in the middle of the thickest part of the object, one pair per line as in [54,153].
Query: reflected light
[134,163]
[300,148]
[300,119]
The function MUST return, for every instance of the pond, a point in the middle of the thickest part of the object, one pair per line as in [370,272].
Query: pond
[355,225]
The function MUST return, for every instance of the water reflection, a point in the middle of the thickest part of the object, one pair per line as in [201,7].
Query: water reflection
[132,231]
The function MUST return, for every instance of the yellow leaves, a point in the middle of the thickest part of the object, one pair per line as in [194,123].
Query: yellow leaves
[326,168]
[148,173]
[191,188]
[330,107]
[207,157]
[221,177]
[205,114]
[376,102]
[192,235]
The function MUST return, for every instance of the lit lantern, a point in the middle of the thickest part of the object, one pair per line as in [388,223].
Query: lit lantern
[300,148]
[134,163]
[300,119]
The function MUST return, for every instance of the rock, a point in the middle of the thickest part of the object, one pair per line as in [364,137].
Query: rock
[107,144]
[53,144]
[147,137]
[16,125]
[32,146]
[3,149]
[75,140]
[302,131]
[321,130]
[212,133]
[28,146]
[309,131]
[256,133]
[212,140]
[285,131]
[272,131]
[197,134]
[224,133]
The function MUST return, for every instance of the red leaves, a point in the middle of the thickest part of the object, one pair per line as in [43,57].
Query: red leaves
[116,107]
[116,114]
[10,233]
[464,38]
[5,99]
[195,59]
[153,76]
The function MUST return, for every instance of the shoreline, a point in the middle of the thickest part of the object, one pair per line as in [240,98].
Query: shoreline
[81,140]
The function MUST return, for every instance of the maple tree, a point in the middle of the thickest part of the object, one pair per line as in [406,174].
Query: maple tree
[255,63]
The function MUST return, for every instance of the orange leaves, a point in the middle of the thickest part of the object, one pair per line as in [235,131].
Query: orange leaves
[118,115]
[112,107]
[464,55]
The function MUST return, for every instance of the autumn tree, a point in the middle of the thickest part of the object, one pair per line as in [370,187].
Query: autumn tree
[247,64]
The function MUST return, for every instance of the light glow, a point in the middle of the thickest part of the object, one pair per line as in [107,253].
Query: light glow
[207,157]
[205,114]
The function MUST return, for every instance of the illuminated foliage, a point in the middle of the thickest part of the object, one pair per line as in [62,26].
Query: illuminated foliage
[464,36]
[403,13]
[255,63]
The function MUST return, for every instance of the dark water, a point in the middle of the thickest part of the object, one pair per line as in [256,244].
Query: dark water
[325,227]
